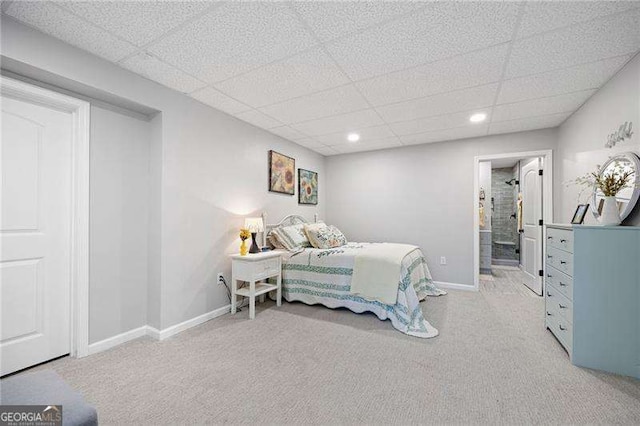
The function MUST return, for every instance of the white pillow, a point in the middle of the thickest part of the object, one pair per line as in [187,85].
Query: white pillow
[292,237]
[325,237]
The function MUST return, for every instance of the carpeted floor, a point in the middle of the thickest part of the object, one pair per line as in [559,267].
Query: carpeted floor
[493,362]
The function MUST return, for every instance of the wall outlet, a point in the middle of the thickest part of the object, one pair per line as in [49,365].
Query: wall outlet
[220,279]
[443,260]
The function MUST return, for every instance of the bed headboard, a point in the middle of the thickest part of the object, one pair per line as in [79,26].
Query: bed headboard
[291,219]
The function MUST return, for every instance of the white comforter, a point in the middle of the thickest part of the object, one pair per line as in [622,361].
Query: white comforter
[324,276]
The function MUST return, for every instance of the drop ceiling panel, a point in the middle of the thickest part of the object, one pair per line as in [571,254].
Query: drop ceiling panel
[429,124]
[311,72]
[525,124]
[335,101]
[544,106]
[587,42]
[367,135]
[360,147]
[350,122]
[588,76]
[259,119]
[472,69]
[446,135]
[299,75]
[234,38]
[57,22]
[329,20]
[460,100]
[219,101]
[154,69]
[288,133]
[543,16]
[310,143]
[440,30]
[137,22]
[326,151]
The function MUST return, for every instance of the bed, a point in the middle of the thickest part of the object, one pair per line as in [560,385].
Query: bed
[323,276]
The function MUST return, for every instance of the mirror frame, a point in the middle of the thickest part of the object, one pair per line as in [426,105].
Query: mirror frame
[635,160]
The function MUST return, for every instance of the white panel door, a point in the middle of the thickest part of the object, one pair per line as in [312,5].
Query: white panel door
[35,234]
[531,257]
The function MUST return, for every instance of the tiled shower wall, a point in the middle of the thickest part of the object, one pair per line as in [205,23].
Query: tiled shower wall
[504,226]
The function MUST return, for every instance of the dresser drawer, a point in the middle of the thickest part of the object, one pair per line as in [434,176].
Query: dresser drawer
[559,280]
[563,331]
[556,302]
[560,238]
[561,260]
[559,303]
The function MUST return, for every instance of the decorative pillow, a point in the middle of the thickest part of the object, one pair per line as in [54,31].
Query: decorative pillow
[325,237]
[275,243]
[292,237]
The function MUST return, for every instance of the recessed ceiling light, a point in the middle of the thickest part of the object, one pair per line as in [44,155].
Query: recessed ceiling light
[353,137]
[478,118]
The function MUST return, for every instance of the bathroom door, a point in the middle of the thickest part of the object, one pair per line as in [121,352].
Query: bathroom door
[531,216]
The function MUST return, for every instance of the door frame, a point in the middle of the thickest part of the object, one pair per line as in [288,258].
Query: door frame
[547,197]
[79,263]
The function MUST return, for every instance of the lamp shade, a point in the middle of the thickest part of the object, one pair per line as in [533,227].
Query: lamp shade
[254,224]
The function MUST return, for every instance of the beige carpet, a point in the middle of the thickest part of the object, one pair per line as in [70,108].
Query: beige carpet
[492,363]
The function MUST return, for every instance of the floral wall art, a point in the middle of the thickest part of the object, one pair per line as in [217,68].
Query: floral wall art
[281,173]
[307,187]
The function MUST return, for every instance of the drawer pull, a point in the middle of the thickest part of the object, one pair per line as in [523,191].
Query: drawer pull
[562,306]
[562,284]
[549,314]
[549,238]
[562,262]
[549,276]
[549,256]
[563,241]
[549,294]
[562,328]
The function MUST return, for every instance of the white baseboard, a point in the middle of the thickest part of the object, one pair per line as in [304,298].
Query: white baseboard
[119,339]
[455,286]
[154,333]
[175,329]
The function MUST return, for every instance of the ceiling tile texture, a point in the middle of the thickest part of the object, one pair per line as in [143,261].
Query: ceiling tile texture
[397,73]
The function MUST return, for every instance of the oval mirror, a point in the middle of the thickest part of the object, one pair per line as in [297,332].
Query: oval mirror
[627,197]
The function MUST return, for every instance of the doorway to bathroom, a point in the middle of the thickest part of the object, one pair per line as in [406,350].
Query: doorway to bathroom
[513,201]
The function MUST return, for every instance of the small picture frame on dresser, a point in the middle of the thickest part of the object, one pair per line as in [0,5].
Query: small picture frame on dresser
[581,212]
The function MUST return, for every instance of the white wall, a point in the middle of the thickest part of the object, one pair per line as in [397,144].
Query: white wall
[419,194]
[118,223]
[582,137]
[210,167]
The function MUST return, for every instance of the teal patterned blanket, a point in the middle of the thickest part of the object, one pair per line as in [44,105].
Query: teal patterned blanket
[323,276]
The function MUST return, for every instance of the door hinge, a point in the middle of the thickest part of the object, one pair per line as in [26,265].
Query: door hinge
[540,172]
[540,222]
[541,273]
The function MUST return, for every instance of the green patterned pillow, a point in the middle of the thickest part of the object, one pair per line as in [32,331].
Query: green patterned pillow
[325,237]
[292,237]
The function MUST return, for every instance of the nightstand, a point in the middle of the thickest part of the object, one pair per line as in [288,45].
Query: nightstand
[252,268]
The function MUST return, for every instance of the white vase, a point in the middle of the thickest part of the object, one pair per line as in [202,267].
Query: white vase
[610,215]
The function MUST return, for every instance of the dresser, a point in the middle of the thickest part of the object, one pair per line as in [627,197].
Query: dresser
[592,295]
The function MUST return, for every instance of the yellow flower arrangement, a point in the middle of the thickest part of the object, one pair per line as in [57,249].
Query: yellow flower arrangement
[244,234]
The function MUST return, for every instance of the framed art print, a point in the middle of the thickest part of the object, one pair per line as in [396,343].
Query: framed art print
[307,187]
[578,216]
[281,173]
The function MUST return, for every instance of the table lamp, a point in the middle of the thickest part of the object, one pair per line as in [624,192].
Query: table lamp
[254,225]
